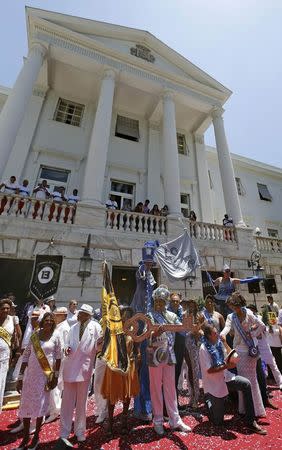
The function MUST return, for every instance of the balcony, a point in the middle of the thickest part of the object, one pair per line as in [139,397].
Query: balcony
[35,209]
[138,223]
[121,222]
[269,245]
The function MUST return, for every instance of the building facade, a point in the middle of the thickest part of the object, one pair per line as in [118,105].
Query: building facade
[110,110]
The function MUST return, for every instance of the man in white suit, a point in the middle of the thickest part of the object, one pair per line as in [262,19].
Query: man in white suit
[78,366]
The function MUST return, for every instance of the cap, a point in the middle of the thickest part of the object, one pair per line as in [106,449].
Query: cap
[49,299]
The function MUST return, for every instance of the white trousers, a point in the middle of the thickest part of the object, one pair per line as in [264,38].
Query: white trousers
[55,401]
[162,385]
[275,372]
[4,366]
[101,405]
[17,368]
[74,398]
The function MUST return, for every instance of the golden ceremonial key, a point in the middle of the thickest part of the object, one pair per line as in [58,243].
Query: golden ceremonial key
[131,326]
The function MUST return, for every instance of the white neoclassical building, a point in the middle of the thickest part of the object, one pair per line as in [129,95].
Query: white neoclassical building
[110,110]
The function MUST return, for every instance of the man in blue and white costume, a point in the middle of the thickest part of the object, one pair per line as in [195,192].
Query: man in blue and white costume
[141,302]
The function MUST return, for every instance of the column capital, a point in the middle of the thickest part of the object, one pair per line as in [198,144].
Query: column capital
[167,94]
[217,112]
[37,47]
[40,91]
[109,74]
[199,138]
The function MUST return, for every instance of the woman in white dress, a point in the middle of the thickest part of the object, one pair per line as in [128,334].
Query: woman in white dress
[6,333]
[246,327]
[37,378]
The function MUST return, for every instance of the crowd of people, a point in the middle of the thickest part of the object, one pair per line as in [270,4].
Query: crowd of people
[40,192]
[53,351]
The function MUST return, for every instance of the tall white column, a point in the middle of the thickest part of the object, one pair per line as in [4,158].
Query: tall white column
[170,155]
[99,142]
[231,198]
[20,152]
[203,180]
[14,109]
[154,164]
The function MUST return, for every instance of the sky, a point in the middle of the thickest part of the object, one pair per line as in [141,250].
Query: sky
[238,42]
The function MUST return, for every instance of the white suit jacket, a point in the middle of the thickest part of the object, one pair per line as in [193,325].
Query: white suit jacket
[78,366]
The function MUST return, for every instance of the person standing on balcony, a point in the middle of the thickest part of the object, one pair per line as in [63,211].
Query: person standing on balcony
[227,222]
[10,187]
[72,200]
[58,197]
[226,286]
[146,209]
[24,191]
[192,219]
[112,205]
[41,193]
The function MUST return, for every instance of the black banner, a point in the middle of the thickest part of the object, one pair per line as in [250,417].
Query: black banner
[46,275]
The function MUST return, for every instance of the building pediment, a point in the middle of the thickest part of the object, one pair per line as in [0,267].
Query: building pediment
[138,47]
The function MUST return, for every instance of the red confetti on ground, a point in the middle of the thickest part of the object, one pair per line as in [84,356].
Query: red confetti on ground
[204,436]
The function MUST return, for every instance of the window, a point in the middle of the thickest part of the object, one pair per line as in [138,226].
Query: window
[181,144]
[69,112]
[239,185]
[55,177]
[272,233]
[123,193]
[210,179]
[264,193]
[127,128]
[185,204]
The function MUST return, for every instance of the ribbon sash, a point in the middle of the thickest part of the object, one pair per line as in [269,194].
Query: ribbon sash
[41,357]
[5,335]
[247,339]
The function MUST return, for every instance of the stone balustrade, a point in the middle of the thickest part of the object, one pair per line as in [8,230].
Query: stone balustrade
[135,222]
[269,245]
[211,232]
[123,221]
[40,210]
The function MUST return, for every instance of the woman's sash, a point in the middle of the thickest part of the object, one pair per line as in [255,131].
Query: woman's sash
[5,335]
[41,358]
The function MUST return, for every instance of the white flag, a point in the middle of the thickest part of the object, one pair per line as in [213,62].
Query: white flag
[178,258]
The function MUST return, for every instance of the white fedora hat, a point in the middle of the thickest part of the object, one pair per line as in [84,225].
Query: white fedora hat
[61,310]
[86,309]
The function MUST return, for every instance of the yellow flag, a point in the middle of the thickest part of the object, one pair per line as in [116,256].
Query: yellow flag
[114,348]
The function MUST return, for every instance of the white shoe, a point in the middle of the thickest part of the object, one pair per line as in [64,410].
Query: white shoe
[51,418]
[159,429]
[19,428]
[81,438]
[280,387]
[182,427]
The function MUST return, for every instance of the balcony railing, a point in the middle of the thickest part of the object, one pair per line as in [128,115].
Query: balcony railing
[269,245]
[36,209]
[135,222]
[211,232]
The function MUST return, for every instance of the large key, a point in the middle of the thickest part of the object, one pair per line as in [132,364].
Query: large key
[132,325]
